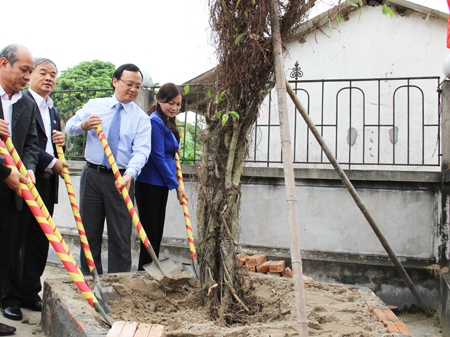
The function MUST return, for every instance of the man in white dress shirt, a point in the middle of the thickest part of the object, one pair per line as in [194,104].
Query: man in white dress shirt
[100,196]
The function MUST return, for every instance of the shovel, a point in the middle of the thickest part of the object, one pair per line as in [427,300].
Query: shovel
[166,272]
[103,294]
[187,220]
[45,221]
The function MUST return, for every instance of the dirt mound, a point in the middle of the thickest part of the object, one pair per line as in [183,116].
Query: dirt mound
[333,310]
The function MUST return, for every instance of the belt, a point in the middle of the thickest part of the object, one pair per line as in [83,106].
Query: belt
[102,168]
[47,175]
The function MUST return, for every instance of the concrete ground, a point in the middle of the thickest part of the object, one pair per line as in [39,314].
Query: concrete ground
[418,324]
[30,324]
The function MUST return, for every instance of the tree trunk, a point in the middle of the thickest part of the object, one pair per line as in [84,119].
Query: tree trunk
[242,80]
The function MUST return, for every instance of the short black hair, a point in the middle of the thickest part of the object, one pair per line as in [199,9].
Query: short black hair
[127,66]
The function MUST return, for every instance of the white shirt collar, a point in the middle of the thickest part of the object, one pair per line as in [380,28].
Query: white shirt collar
[40,100]
[15,97]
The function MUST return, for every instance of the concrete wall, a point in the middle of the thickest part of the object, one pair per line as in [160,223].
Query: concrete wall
[337,243]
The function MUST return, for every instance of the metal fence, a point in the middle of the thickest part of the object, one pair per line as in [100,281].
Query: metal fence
[366,123]
[376,123]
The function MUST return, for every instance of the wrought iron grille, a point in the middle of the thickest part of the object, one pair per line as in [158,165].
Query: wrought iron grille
[366,122]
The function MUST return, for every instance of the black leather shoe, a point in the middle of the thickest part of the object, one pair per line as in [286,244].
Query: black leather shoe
[35,306]
[6,330]
[13,313]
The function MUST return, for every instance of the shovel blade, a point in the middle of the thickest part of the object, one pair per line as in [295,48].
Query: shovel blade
[109,293]
[167,268]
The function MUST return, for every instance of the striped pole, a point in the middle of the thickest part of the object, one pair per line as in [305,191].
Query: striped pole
[76,213]
[80,227]
[56,241]
[126,198]
[187,218]
[14,159]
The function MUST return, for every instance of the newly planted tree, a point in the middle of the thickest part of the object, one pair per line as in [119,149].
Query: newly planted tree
[242,79]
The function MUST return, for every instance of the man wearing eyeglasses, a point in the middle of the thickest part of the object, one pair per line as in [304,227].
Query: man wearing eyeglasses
[128,132]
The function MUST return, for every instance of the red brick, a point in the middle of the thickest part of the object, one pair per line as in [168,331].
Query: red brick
[402,328]
[263,268]
[241,259]
[390,315]
[380,314]
[256,260]
[250,268]
[287,272]
[391,327]
[277,266]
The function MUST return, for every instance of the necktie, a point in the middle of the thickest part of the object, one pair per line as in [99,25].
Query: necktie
[114,133]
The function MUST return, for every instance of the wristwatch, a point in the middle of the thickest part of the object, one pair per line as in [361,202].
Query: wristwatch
[130,174]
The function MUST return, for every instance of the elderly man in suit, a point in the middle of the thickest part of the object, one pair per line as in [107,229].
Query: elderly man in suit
[18,121]
[23,285]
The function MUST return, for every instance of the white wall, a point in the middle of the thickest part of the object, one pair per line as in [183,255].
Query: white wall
[368,45]
[371,44]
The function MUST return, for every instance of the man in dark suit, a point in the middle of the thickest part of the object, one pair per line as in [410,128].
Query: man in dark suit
[23,284]
[18,121]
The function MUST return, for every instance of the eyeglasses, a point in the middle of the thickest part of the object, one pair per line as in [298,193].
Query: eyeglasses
[131,84]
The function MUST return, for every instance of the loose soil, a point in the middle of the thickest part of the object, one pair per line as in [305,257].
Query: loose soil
[333,310]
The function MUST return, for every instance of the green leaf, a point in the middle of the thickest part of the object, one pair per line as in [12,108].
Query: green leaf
[218,114]
[219,98]
[360,3]
[186,89]
[329,24]
[239,39]
[209,93]
[353,4]
[338,18]
[225,119]
[222,94]
[234,114]
[387,10]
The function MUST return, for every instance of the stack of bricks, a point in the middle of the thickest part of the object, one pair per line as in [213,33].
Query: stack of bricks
[258,263]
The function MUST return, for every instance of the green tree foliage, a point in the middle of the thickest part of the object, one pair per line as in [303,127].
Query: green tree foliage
[74,87]
[86,75]
[190,147]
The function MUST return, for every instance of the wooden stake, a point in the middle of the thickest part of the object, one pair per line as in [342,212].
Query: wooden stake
[289,178]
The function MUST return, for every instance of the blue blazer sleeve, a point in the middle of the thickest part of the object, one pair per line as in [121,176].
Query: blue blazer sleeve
[163,151]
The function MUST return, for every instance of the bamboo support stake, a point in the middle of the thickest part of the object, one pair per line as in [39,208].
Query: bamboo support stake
[357,199]
[289,178]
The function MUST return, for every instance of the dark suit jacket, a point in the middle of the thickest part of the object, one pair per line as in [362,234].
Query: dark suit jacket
[24,136]
[44,157]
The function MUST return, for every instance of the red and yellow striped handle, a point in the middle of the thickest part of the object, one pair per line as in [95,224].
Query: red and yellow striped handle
[15,160]
[76,212]
[187,218]
[125,194]
[15,163]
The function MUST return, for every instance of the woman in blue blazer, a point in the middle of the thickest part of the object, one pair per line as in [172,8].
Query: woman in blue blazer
[158,176]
